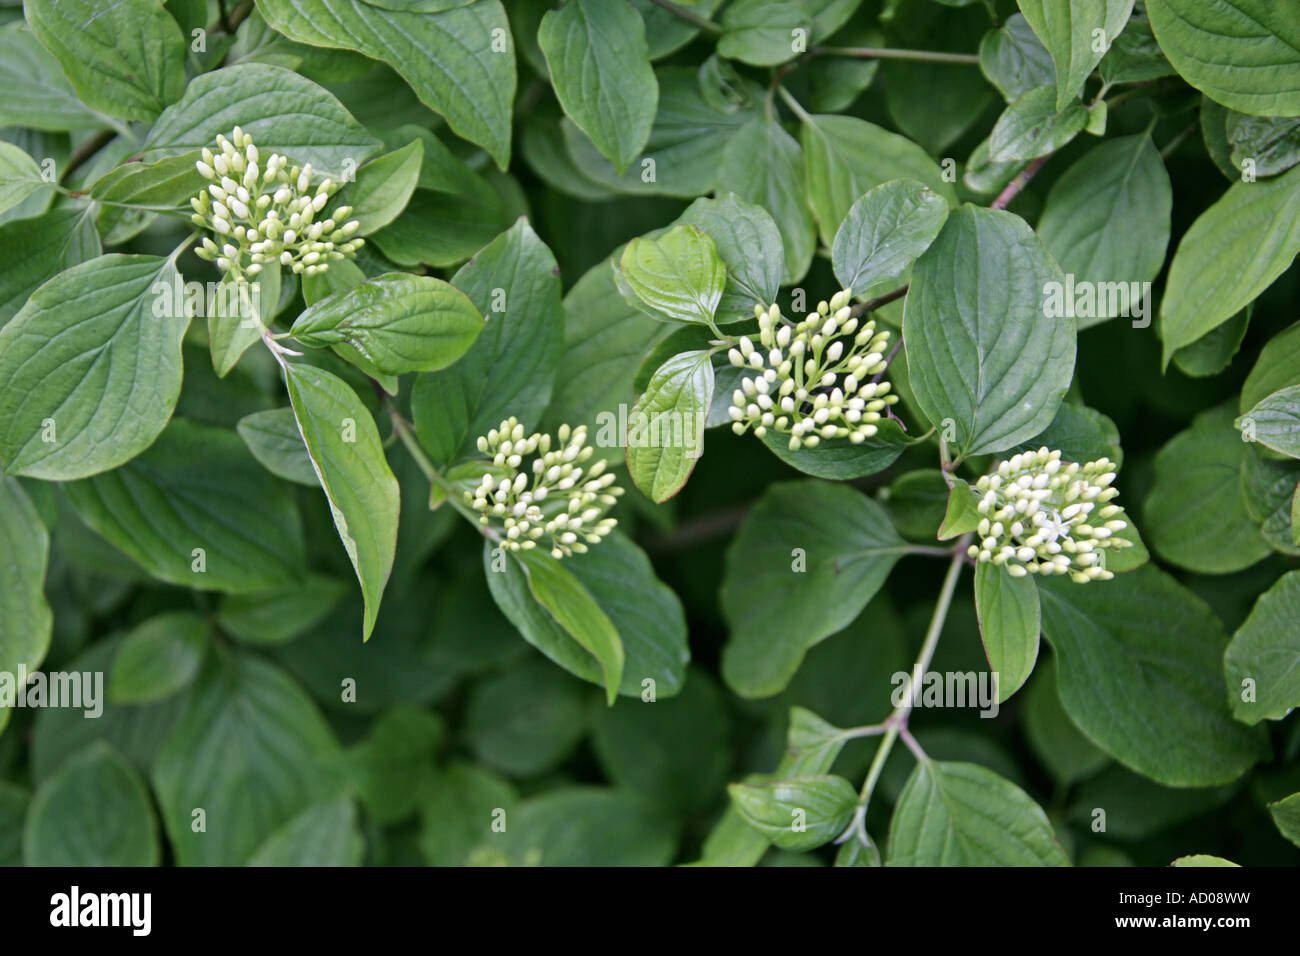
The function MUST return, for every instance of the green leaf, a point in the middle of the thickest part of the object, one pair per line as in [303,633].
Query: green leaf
[342,275]
[393,324]
[383,188]
[600,68]
[90,368]
[1140,661]
[680,275]
[125,58]
[884,233]
[1202,859]
[1286,814]
[167,184]
[1277,367]
[917,502]
[1195,516]
[960,814]
[1215,350]
[1080,434]
[1032,126]
[588,826]
[764,164]
[1274,422]
[666,437]
[13,809]
[348,456]
[962,515]
[1014,60]
[527,720]
[39,96]
[26,622]
[1266,652]
[1134,55]
[36,249]
[158,658]
[1067,30]
[459,810]
[238,314]
[802,813]
[94,812]
[441,229]
[324,834]
[1271,144]
[838,458]
[764,32]
[459,61]
[1060,746]
[665,31]
[575,610]
[197,510]
[1232,252]
[1244,54]
[19,176]
[806,560]
[846,156]
[749,244]
[1268,488]
[273,438]
[279,616]
[250,752]
[510,368]
[618,576]
[979,350]
[283,112]
[1009,625]
[675,751]
[394,764]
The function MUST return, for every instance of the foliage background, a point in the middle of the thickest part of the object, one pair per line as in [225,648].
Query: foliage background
[457,714]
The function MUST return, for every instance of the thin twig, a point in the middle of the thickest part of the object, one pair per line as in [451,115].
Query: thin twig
[895,53]
[1020,182]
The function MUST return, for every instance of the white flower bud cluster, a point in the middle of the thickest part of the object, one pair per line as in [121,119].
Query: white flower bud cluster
[563,502]
[265,212]
[1039,516]
[813,378]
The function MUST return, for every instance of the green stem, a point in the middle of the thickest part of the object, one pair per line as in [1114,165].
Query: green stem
[402,428]
[791,102]
[895,53]
[681,12]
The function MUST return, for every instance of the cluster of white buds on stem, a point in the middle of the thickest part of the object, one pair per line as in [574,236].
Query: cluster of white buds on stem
[813,378]
[266,212]
[563,503]
[1039,516]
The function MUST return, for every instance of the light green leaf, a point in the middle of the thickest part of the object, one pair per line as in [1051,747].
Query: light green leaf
[393,324]
[198,511]
[1232,252]
[238,314]
[806,560]
[764,32]
[383,188]
[348,456]
[123,57]
[1032,127]
[1067,30]
[1244,54]
[1286,814]
[94,812]
[324,834]
[454,59]
[158,658]
[846,156]
[1203,859]
[1009,625]
[666,437]
[645,612]
[283,112]
[801,813]
[342,275]
[979,349]
[1014,60]
[1277,367]
[1195,516]
[764,164]
[26,622]
[273,438]
[883,234]
[514,283]
[19,176]
[962,516]
[1275,422]
[1140,662]
[600,68]
[680,276]
[575,610]
[250,751]
[37,93]
[37,249]
[90,368]
[166,184]
[1262,663]
[960,814]
[749,245]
